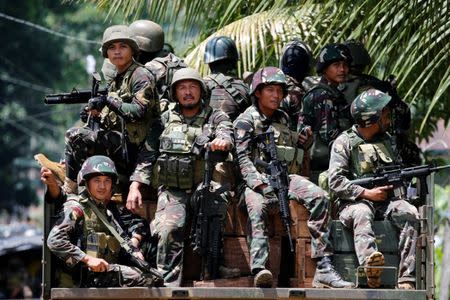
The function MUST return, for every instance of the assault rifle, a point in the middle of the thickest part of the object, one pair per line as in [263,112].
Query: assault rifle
[397,177]
[278,178]
[209,209]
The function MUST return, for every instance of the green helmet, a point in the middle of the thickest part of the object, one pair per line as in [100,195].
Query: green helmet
[187,73]
[268,75]
[97,165]
[360,55]
[118,33]
[366,109]
[331,53]
[148,34]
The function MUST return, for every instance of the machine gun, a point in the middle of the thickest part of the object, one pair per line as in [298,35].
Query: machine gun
[278,178]
[209,209]
[396,176]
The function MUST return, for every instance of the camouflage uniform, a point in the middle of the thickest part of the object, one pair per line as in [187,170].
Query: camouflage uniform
[133,93]
[353,157]
[78,226]
[292,103]
[247,126]
[179,173]
[325,110]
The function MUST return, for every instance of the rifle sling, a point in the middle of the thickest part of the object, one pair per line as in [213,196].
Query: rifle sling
[111,228]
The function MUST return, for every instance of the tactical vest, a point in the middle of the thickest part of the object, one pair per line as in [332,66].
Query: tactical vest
[136,130]
[163,69]
[367,157]
[222,90]
[100,243]
[178,167]
[285,140]
[320,151]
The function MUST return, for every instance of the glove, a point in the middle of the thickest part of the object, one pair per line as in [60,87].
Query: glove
[97,103]
[84,113]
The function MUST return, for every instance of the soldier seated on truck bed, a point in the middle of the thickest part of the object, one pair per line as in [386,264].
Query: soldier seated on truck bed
[81,238]
[356,153]
[267,91]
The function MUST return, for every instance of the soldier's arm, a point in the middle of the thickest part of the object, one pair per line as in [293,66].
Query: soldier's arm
[223,128]
[59,238]
[243,132]
[339,171]
[144,97]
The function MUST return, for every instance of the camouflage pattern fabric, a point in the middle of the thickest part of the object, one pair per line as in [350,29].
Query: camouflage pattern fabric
[300,189]
[67,238]
[326,111]
[139,108]
[359,214]
[172,208]
[231,95]
[292,103]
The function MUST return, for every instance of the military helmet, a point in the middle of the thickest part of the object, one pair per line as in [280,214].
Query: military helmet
[95,166]
[360,55]
[367,107]
[187,73]
[148,34]
[331,53]
[296,60]
[118,33]
[219,48]
[268,75]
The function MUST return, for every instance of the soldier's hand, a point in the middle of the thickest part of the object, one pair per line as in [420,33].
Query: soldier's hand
[97,103]
[134,199]
[377,194]
[95,264]
[305,137]
[49,179]
[138,254]
[84,113]
[219,144]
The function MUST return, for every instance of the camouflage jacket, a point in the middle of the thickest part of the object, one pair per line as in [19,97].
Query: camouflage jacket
[326,111]
[247,126]
[217,120]
[137,102]
[66,239]
[231,95]
[344,158]
[292,103]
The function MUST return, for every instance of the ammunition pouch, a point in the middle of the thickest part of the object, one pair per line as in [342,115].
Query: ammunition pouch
[176,171]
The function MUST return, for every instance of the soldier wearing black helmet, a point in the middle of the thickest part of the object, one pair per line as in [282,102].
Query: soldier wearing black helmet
[358,81]
[228,93]
[161,63]
[324,106]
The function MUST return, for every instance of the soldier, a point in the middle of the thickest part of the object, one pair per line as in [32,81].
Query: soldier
[295,63]
[161,63]
[267,90]
[187,128]
[358,81]
[324,106]
[125,115]
[228,93]
[80,237]
[356,153]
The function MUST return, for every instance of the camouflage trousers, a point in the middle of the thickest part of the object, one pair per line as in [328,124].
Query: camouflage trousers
[360,216]
[305,192]
[83,142]
[172,211]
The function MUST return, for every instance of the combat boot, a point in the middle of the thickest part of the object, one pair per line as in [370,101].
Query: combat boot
[263,278]
[225,272]
[327,277]
[374,274]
